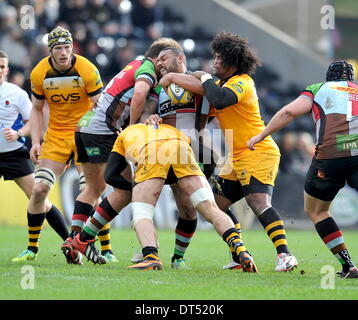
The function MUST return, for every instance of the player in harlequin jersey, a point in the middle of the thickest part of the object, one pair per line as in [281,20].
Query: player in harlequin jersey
[333,105]
[121,103]
[191,119]
[69,84]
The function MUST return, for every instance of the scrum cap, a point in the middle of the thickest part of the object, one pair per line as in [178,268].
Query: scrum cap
[58,36]
[340,71]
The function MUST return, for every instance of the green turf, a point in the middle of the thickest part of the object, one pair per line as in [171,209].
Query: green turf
[54,279]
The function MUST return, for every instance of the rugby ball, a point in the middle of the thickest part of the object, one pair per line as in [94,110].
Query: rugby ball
[179,95]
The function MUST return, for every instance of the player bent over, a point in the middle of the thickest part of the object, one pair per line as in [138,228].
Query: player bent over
[158,151]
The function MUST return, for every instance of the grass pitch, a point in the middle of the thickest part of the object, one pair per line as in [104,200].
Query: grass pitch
[55,280]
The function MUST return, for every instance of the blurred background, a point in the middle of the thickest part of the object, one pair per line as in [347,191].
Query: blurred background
[295,39]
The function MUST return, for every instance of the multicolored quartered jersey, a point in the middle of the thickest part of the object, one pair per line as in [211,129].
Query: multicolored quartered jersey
[185,117]
[112,109]
[68,94]
[335,113]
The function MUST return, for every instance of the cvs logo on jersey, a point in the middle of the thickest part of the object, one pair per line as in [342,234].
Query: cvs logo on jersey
[70,97]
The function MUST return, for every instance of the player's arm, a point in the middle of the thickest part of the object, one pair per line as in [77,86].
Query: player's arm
[12,135]
[282,118]
[185,81]
[219,97]
[141,91]
[37,126]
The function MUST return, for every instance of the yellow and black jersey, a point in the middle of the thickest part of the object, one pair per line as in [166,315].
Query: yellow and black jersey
[68,93]
[242,121]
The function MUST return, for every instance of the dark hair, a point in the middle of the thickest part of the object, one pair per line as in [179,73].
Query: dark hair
[235,51]
[159,45]
[339,71]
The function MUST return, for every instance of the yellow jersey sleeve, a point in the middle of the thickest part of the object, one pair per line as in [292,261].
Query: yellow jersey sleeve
[240,87]
[90,75]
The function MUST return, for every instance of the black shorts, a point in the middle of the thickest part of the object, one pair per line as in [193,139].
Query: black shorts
[94,148]
[15,164]
[234,191]
[326,177]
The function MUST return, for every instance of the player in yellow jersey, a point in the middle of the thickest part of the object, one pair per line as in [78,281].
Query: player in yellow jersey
[235,105]
[69,84]
[159,152]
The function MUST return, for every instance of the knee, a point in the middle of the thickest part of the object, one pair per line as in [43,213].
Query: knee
[40,192]
[96,189]
[187,212]
[257,203]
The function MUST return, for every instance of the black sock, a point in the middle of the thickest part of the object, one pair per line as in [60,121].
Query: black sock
[273,225]
[149,250]
[34,225]
[57,222]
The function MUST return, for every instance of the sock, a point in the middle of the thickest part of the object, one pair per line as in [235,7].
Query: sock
[105,239]
[57,222]
[184,232]
[34,223]
[103,215]
[333,239]
[231,237]
[152,251]
[273,225]
[81,212]
[235,220]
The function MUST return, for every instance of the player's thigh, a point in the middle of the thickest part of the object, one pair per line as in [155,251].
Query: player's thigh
[352,178]
[326,177]
[26,184]
[256,169]
[58,150]
[185,207]
[94,148]
[148,191]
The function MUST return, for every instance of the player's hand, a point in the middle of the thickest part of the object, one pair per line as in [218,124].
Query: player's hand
[153,120]
[10,135]
[253,141]
[198,74]
[35,152]
[165,81]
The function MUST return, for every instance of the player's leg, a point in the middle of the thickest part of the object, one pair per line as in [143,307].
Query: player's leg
[330,233]
[45,177]
[226,193]
[257,174]
[144,198]
[319,193]
[106,211]
[185,228]
[93,187]
[202,197]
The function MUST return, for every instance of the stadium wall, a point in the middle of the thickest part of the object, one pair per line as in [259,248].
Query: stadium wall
[295,63]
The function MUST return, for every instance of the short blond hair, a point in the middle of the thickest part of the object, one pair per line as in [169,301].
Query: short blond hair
[160,44]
